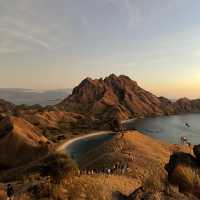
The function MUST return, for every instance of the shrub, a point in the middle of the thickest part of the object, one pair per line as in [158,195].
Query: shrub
[23,197]
[187,179]
[152,184]
[56,192]
[57,166]
[86,190]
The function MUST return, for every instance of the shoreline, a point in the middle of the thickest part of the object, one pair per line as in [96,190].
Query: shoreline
[62,147]
[65,144]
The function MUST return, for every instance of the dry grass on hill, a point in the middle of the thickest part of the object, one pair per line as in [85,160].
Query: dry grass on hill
[99,187]
[188,179]
[22,141]
[144,155]
[84,187]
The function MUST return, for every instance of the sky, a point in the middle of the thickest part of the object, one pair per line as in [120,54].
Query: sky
[48,44]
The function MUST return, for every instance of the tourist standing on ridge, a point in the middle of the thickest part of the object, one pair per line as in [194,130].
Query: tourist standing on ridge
[10,192]
[116,125]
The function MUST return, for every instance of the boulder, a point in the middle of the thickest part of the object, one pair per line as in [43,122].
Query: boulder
[196,151]
[180,158]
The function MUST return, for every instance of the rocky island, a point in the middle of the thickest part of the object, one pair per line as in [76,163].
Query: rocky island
[128,166]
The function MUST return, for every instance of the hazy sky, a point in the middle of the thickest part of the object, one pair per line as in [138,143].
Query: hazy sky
[48,44]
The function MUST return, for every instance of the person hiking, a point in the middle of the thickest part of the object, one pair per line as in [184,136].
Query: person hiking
[116,125]
[10,192]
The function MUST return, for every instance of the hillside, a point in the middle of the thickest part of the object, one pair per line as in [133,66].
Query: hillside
[146,159]
[20,142]
[24,131]
[145,155]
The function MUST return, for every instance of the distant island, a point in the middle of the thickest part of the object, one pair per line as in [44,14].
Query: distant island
[31,97]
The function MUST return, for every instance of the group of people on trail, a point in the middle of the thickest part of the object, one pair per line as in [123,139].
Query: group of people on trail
[118,168]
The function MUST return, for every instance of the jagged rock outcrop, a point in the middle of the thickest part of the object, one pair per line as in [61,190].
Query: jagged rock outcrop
[20,142]
[196,151]
[121,97]
[112,96]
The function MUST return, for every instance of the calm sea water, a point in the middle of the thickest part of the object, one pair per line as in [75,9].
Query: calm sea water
[78,149]
[171,128]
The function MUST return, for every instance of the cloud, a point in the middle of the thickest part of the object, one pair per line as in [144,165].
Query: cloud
[24,28]
[134,13]
[15,41]
[31,38]
[140,12]
[130,9]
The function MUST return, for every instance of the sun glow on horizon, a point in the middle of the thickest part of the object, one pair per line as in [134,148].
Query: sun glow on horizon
[55,44]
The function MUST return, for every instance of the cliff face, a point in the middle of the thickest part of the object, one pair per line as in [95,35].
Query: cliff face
[120,96]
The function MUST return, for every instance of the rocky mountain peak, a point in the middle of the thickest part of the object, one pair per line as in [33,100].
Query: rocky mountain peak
[120,96]
[113,95]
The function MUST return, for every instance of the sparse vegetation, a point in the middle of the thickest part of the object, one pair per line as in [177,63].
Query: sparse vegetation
[152,183]
[57,166]
[187,179]
[56,192]
[23,197]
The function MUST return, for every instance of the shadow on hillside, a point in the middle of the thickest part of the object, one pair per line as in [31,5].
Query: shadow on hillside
[118,196]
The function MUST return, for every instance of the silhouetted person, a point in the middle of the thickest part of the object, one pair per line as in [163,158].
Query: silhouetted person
[116,125]
[189,144]
[10,192]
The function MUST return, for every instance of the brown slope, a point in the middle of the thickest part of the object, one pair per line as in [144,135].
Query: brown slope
[148,154]
[20,142]
[51,119]
[114,95]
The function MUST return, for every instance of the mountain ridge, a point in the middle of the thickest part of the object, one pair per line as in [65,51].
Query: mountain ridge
[114,96]
[123,97]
